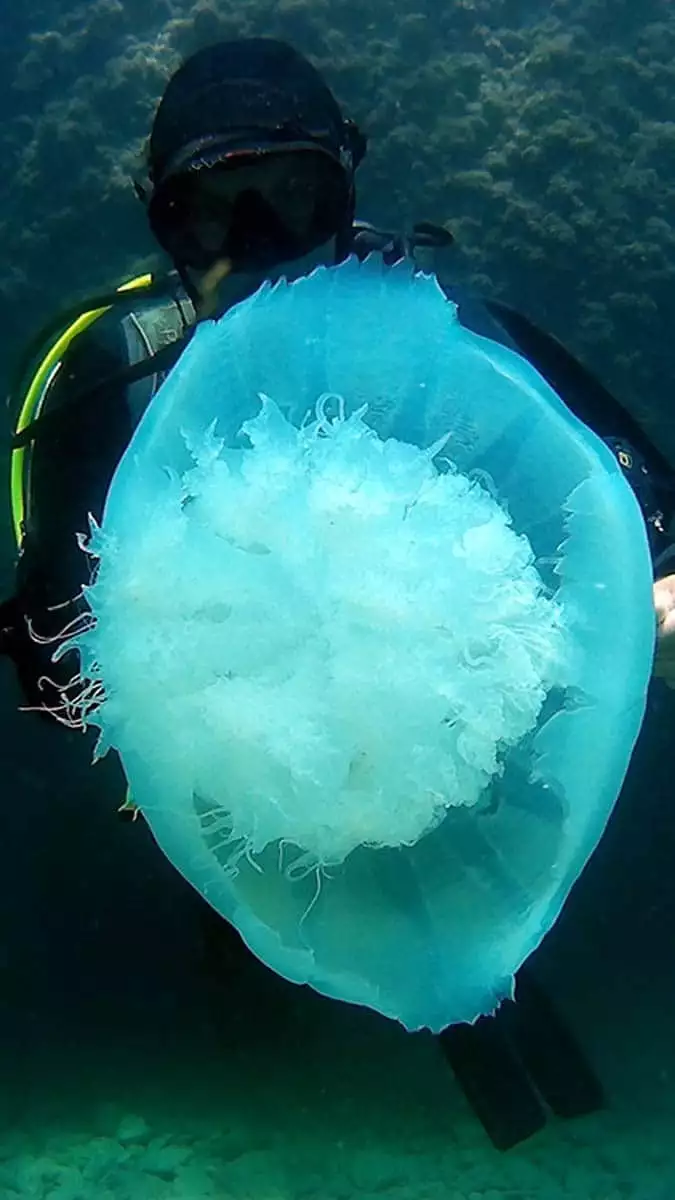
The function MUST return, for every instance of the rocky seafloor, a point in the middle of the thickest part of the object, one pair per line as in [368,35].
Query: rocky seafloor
[366,1115]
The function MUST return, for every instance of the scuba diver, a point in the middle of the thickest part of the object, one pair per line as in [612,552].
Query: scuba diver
[250,175]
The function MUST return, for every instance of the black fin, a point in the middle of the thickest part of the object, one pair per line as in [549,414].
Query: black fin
[521,1063]
[550,1053]
[493,1081]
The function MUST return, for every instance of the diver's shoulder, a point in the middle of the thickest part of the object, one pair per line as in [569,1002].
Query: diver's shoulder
[126,321]
[160,320]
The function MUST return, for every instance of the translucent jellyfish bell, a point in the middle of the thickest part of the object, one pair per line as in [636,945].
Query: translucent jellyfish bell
[374,628]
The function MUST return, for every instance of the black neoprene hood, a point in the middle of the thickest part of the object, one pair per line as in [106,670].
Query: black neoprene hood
[254,93]
[241,107]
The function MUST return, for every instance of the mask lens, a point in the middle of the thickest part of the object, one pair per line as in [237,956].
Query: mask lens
[258,210]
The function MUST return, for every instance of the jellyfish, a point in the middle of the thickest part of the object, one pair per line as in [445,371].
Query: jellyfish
[371,632]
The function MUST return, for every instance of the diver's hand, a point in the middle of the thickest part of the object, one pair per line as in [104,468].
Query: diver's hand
[664,603]
[208,287]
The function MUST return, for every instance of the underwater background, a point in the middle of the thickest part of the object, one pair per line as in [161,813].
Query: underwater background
[139,1061]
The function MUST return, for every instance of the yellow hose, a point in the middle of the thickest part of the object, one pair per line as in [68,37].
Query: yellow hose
[36,391]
